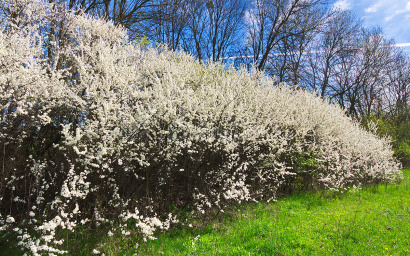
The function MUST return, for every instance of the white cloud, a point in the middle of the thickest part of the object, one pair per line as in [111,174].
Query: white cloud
[375,7]
[392,15]
[388,18]
[406,9]
[388,5]
[342,5]
[388,9]
[408,6]
[402,45]
[372,8]
[398,10]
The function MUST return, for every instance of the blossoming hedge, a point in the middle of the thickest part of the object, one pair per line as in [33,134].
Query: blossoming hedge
[97,129]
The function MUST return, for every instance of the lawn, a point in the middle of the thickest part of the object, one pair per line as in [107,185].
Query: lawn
[370,221]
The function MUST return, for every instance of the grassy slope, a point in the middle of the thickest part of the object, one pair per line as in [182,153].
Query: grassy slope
[371,221]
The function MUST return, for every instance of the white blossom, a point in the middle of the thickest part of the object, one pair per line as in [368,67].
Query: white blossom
[96,252]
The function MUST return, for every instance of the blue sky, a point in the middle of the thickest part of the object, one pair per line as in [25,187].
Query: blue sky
[393,16]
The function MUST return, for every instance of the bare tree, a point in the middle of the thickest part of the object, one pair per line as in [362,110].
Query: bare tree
[214,28]
[397,93]
[270,22]
[225,21]
[337,40]
[362,76]
[293,48]
[169,23]
[194,42]
[129,13]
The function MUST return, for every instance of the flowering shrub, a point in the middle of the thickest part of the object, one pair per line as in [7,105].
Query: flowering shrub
[95,129]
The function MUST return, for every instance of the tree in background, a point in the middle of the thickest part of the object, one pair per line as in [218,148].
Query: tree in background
[394,119]
[337,38]
[131,14]
[288,58]
[271,24]
[214,28]
[170,24]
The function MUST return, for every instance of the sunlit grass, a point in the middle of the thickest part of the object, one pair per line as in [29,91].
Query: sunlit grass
[371,221]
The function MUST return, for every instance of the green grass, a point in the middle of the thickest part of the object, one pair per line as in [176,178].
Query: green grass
[374,220]
[371,221]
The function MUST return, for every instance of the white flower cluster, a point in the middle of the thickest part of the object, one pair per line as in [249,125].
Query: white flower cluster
[94,128]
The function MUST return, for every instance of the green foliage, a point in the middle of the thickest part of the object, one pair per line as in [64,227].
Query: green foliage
[305,167]
[142,41]
[402,151]
[398,130]
[307,160]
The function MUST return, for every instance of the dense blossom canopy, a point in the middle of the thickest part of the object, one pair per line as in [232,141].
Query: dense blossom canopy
[96,129]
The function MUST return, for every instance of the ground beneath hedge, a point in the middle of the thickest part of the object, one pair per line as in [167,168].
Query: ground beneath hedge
[373,220]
